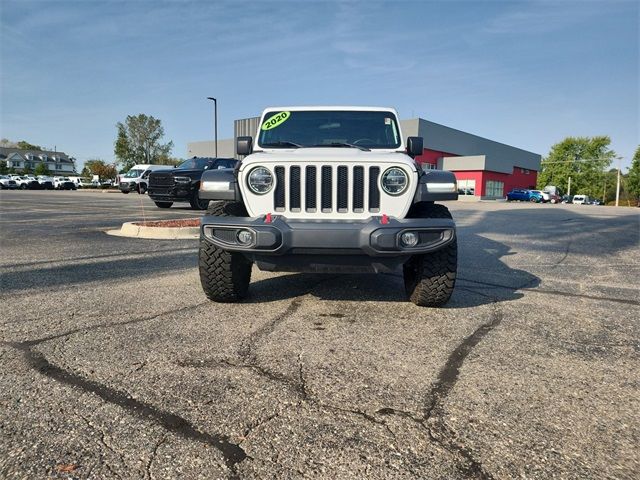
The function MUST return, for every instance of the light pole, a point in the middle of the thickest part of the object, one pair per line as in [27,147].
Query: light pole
[215,121]
[618,182]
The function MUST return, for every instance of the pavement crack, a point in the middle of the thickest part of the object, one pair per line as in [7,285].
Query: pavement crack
[256,425]
[529,288]
[33,343]
[447,379]
[303,382]
[154,454]
[370,418]
[401,413]
[247,346]
[138,366]
[565,254]
[298,386]
[245,351]
[448,375]
[291,384]
[231,452]
[102,440]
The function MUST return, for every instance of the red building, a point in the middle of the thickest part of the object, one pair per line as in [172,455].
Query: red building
[484,168]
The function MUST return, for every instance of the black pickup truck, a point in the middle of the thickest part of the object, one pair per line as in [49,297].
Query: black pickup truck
[182,183]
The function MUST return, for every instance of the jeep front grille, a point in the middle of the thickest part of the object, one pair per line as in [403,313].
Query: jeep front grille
[338,189]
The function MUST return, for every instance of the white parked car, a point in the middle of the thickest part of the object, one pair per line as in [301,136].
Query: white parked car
[63,183]
[137,178]
[6,182]
[22,181]
[77,181]
[46,182]
[581,200]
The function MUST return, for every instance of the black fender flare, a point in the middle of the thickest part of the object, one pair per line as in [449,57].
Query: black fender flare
[436,185]
[220,184]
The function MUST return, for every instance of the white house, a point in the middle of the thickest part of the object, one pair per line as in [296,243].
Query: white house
[57,162]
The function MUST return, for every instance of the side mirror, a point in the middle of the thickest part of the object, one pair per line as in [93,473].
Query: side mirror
[244,145]
[414,146]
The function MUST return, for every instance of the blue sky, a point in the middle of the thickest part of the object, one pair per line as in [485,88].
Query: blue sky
[526,73]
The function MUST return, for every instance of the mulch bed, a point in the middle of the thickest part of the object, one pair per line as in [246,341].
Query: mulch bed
[185,222]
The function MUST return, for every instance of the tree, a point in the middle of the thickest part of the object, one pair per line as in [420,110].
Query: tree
[584,159]
[41,169]
[609,185]
[23,145]
[633,176]
[138,141]
[169,161]
[100,168]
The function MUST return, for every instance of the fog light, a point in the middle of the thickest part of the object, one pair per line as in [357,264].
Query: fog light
[409,239]
[245,237]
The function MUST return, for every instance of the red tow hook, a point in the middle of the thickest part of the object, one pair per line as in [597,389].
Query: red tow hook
[384,219]
[267,218]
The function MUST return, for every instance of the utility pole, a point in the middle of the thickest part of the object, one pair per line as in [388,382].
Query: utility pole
[618,185]
[215,121]
[569,187]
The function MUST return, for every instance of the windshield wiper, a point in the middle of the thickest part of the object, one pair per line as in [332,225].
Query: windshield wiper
[341,144]
[282,144]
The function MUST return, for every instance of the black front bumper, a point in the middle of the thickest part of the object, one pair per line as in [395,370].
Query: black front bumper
[372,245]
[371,237]
[177,193]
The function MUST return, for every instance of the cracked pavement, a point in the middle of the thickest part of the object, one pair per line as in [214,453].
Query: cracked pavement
[114,364]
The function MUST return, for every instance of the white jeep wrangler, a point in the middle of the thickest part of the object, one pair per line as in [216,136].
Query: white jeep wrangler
[328,189]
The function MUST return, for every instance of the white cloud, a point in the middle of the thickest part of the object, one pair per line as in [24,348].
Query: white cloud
[544,16]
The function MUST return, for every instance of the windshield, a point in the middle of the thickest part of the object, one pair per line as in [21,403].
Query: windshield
[133,173]
[366,129]
[195,163]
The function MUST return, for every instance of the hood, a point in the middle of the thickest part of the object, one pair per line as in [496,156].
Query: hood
[178,172]
[326,154]
[182,172]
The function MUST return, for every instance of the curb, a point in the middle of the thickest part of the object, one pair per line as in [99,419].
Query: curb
[129,229]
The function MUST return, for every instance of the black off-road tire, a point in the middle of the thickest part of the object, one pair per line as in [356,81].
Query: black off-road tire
[430,278]
[198,204]
[163,204]
[225,276]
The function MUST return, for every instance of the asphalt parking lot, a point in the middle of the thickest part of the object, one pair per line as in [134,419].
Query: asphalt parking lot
[115,365]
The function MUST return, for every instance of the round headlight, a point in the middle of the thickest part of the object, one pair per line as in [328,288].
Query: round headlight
[394,181]
[260,180]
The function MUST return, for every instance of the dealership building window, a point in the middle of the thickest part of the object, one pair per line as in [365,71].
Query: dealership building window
[494,188]
[466,187]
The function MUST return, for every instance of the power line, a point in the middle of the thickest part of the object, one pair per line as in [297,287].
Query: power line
[581,160]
